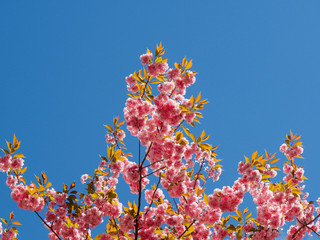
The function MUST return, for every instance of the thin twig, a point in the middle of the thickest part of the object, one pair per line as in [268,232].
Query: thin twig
[198,174]
[308,228]
[87,235]
[47,225]
[145,156]
[154,193]
[306,225]
[154,172]
[176,205]
[153,163]
[116,226]
[139,199]
[178,126]
[186,229]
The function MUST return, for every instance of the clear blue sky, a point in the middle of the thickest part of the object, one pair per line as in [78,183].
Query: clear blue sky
[63,64]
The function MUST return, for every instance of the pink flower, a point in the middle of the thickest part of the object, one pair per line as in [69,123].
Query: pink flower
[133,88]
[83,178]
[50,217]
[283,148]
[60,198]
[11,181]
[121,135]
[17,163]
[146,58]
[126,223]
[189,78]
[189,117]
[131,80]
[158,68]
[109,139]
[173,73]
[156,195]
[5,163]
[117,167]
[87,200]
[102,165]
[248,226]
[287,169]
[104,236]
[166,87]
[299,173]
[9,235]
[93,217]
[292,152]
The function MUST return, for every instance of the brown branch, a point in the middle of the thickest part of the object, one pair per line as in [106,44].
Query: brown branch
[154,193]
[176,205]
[116,226]
[136,233]
[145,156]
[145,86]
[306,225]
[187,229]
[138,124]
[87,235]
[198,174]
[154,172]
[172,92]
[154,163]
[178,126]
[47,225]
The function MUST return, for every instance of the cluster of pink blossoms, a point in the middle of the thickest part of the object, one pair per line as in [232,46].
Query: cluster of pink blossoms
[132,84]
[91,217]
[155,69]
[7,163]
[291,152]
[20,192]
[179,166]
[32,202]
[8,235]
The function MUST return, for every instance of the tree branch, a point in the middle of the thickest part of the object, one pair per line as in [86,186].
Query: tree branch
[187,228]
[154,172]
[145,156]
[306,225]
[136,233]
[47,225]
[154,193]
[154,163]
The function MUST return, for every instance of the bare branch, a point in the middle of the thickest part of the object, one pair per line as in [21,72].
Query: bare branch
[50,227]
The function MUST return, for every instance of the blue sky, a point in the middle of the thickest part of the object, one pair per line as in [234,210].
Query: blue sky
[63,64]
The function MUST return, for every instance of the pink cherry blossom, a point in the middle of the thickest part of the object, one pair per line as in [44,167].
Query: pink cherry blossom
[146,58]
[109,139]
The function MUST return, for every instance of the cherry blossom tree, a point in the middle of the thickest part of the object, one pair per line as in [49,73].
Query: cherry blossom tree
[167,176]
